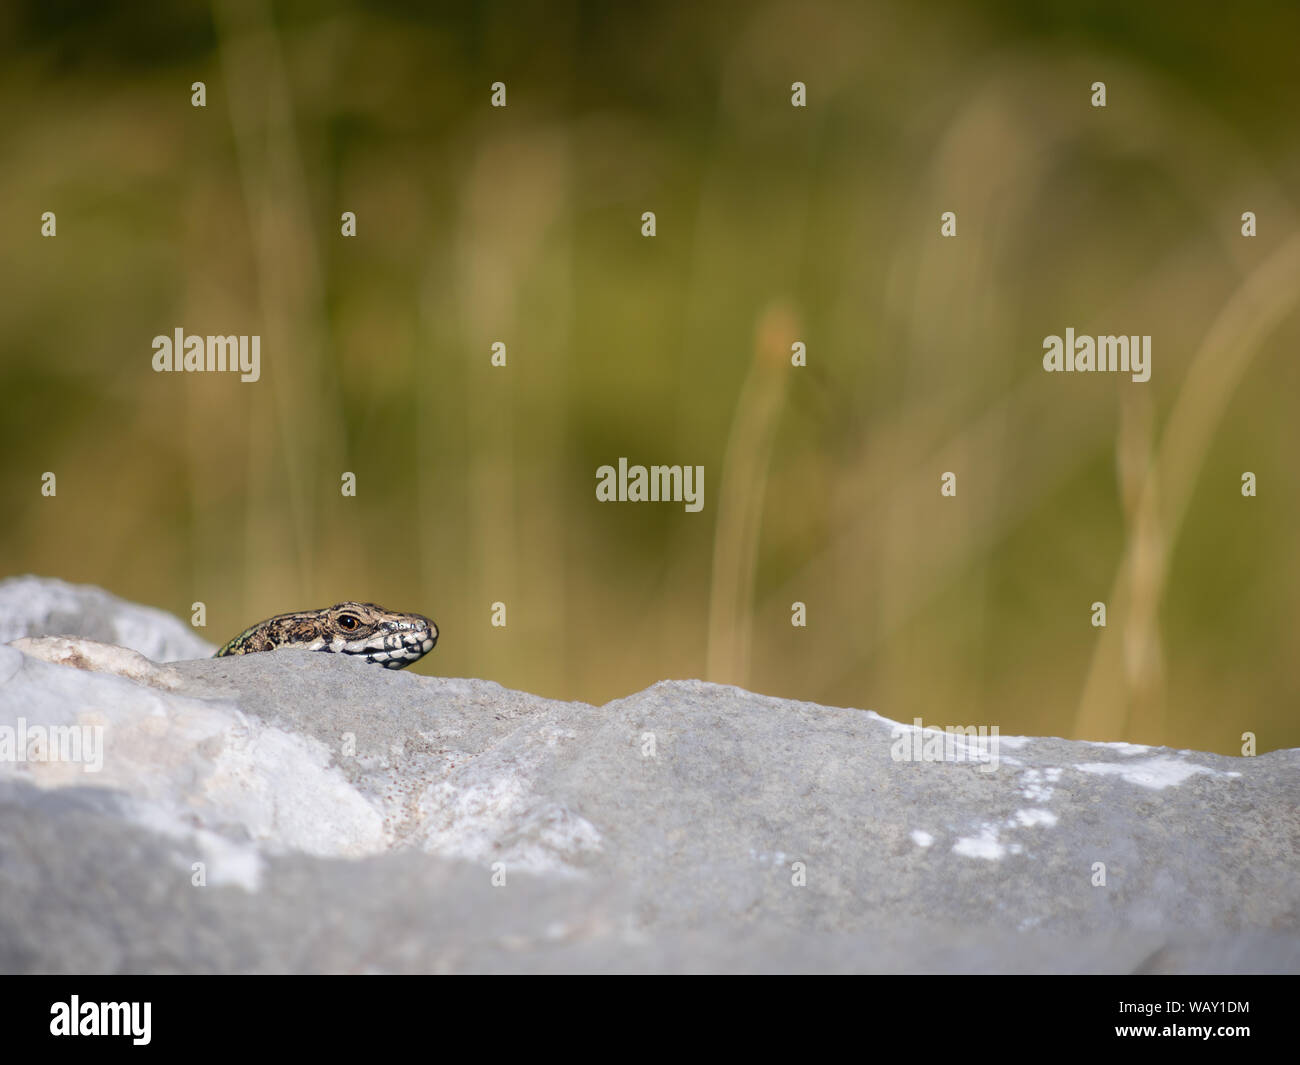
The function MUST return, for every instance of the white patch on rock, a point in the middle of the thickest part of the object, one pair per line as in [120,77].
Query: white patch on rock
[1028,818]
[920,838]
[985,845]
[282,789]
[199,761]
[96,657]
[1126,749]
[499,818]
[1036,784]
[767,857]
[1155,773]
[225,861]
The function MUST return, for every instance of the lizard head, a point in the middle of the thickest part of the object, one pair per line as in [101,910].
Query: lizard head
[369,631]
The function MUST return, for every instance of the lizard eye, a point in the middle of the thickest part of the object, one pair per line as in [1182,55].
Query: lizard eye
[347,623]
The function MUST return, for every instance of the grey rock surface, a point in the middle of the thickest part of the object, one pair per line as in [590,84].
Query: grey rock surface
[43,606]
[346,818]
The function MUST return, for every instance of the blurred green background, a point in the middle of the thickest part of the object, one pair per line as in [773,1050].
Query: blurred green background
[775,224]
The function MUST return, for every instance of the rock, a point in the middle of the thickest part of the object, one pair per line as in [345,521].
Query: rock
[351,818]
[39,606]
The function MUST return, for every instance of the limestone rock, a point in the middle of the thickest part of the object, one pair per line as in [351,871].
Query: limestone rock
[299,812]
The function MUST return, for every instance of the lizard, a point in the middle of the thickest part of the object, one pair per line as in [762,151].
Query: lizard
[365,630]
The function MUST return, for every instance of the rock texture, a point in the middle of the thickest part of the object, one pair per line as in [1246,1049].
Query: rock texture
[307,813]
[37,606]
